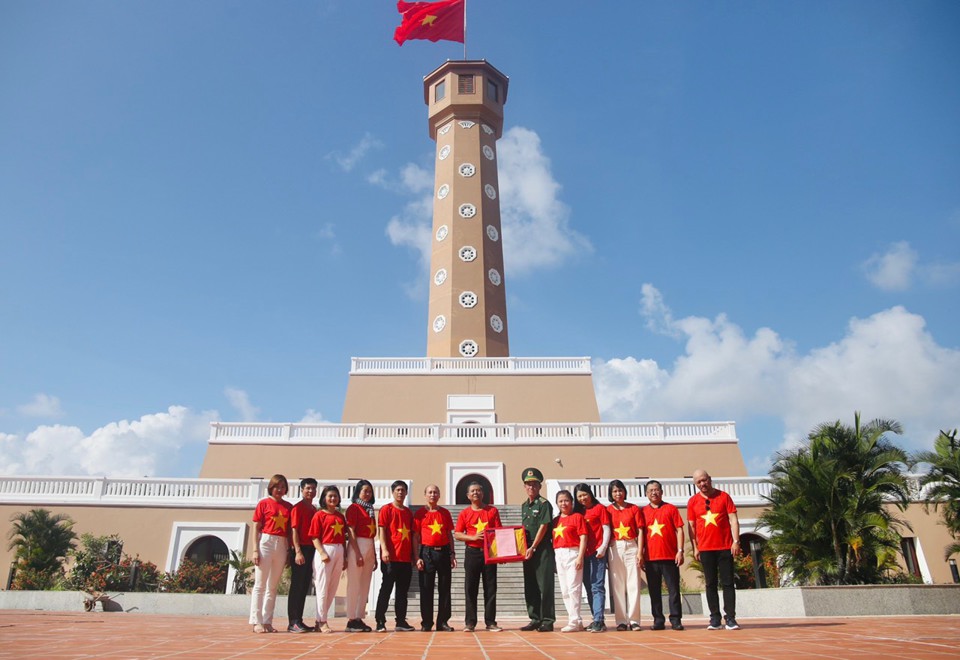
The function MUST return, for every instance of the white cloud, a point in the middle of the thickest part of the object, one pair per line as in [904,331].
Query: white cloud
[313,417]
[900,266]
[894,269]
[886,365]
[149,446]
[536,226]
[42,405]
[357,152]
[240,401]
[327,234]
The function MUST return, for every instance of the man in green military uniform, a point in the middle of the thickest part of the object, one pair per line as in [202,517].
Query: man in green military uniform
[538,565]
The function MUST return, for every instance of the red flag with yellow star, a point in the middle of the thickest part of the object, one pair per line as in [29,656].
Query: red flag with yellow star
[430,20]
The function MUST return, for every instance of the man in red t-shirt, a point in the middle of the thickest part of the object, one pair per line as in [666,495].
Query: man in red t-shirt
[396,550]
[433,528]
[663,555]
[471,524]
[301,570]
[715,537]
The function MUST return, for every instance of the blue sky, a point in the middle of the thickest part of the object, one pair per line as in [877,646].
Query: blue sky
[742,211]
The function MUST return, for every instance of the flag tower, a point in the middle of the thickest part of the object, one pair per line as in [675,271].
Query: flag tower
[468,310]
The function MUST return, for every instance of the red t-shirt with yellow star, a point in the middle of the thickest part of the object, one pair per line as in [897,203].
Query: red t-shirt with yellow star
[474,522]
[567,530]
[398,525]
[363,525]
[626,522]
[434,527]
[274,515]
[662,523]
[330,527]
[301,515]
[596,516]
[712,523]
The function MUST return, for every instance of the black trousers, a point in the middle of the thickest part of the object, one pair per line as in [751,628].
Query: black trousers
[658,572]
[399,574]
[436,572]
[719,564]
[301,577]
[474,569]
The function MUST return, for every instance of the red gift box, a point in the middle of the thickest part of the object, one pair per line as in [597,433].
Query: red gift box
[504,544]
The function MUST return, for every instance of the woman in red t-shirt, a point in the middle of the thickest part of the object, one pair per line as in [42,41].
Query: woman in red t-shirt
[626,557]
[330,534]
[272,517]
[361,564]
[569,548]
[595,567]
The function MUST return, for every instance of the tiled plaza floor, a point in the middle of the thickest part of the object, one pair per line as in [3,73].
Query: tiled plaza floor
[71,635]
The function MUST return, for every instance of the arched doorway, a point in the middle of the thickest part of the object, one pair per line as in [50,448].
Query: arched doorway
[209,550]
[464,483]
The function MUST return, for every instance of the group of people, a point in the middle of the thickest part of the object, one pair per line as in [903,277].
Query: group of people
[580,544]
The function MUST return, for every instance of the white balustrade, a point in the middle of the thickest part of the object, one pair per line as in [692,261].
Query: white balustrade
[452,434]
[169,493]
[461,365]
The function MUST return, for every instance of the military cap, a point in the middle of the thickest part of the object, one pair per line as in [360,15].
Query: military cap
[532,474]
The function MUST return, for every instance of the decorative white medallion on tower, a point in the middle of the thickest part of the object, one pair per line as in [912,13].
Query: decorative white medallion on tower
[465,100]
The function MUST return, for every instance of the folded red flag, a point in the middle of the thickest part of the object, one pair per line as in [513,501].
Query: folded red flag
[430,20]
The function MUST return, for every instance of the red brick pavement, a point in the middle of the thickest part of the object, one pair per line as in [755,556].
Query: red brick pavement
[73,635]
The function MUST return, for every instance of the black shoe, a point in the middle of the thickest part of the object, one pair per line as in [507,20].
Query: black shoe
[297,628]
[545,627]
[354,625]
[403,626]
[658,626]
[426,628]
[381,627]
[468,628]
[676,626]
[445,628]
[364,627]
[635,626]
[623,627]
[530,627]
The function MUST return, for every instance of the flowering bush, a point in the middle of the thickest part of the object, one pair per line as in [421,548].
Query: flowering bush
[196,578]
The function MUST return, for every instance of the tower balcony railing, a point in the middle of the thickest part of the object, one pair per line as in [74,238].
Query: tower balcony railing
[266,433]
[461,365]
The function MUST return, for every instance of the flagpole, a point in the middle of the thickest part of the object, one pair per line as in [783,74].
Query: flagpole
[464,30]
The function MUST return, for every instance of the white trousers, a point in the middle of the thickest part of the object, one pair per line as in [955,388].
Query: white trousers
[358,579]
[273,559]
[326,578]
[571,582]
[626,581]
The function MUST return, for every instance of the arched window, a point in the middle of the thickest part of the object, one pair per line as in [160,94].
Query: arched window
[464,483]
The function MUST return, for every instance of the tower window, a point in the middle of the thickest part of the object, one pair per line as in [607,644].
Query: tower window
[440,90]
[492,91]
[465,84]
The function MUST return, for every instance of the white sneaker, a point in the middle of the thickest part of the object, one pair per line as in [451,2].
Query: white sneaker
[572,627]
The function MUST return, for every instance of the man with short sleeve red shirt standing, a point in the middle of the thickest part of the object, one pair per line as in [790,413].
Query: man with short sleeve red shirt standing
[433,527]
[715,536]
[471,524]
[663,555]
[396,550]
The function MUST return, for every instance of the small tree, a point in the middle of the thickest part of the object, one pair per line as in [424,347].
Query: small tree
[100,565]
[942,483]
[41,541]
[828,506]
[242,571]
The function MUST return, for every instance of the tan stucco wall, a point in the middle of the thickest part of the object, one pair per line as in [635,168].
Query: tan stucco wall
[425,465]
[145,531]
[423,399]
[931,538]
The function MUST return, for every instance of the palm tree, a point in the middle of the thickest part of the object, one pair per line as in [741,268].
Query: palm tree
[42,541]
[828,512]
[242,567]
[941,483]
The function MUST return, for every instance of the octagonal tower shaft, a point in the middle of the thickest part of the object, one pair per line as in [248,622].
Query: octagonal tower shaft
[468,303]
